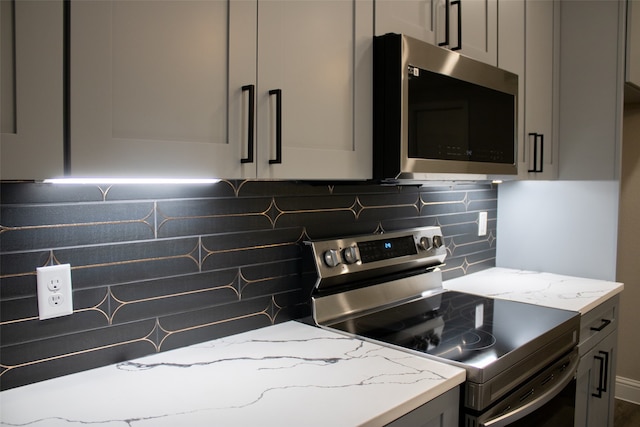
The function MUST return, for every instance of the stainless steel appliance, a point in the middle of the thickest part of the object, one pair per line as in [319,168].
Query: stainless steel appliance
[439,114]
[520,358]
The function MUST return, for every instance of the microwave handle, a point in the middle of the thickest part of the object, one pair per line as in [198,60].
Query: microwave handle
[459,4]
[535,152]
[252,114]
[447,7]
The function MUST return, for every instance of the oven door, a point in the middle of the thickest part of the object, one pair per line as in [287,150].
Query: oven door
[560,411]
[547,399]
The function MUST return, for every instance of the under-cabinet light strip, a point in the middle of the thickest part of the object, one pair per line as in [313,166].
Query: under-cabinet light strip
[131,181]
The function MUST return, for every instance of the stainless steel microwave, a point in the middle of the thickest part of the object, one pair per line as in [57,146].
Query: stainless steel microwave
[440,115]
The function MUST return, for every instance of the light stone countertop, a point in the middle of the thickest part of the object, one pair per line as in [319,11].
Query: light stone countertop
[283,375]
[546,289]
[286,374]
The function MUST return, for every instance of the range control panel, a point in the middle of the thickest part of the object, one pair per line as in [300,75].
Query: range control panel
[392,251]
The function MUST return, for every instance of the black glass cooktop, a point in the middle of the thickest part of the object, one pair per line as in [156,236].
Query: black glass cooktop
[461,327]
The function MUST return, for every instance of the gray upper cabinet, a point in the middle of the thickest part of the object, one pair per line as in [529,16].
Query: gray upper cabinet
[414,18]
[571,85]
[528,32]
[151,88]
[479,32]
[539,147]
[471,27]
[189,89]
[591,87]
[32,90]
[318,55]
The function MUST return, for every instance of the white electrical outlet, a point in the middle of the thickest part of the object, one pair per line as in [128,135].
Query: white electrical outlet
[54,291]
[482,224]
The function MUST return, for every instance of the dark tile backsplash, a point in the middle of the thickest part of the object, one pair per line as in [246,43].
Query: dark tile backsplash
[160,267]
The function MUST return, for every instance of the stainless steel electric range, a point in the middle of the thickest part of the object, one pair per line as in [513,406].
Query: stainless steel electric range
[520,358]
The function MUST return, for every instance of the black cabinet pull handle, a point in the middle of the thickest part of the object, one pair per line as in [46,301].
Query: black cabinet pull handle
[599,388]
[541,151]
[605,323]
[603,379]
[251,125]
[447,6]
[606,370]
[278,94]
[537,136]
[459,4]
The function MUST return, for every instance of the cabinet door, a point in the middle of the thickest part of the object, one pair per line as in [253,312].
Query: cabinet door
[527,30]
[156,87]
[595,395]
[322,66]
[414,18]
[469,26]
[511,44]
[539,148]
[479,29]
[31,138]
[591,80]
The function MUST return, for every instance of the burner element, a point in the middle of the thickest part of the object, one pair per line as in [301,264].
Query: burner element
[469,339]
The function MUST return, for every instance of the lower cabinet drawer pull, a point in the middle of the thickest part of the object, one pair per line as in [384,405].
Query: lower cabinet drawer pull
[605,323]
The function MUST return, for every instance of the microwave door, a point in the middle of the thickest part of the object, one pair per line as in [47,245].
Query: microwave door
[439,115]
[439,130]
[454,120]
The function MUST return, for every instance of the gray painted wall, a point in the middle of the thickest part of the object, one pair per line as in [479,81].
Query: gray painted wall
[563,227]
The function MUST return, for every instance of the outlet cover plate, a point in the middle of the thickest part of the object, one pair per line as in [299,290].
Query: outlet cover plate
[482,224]
[55,297]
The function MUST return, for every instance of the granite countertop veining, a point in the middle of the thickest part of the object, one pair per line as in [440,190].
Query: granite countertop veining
[286,374]
[546,289]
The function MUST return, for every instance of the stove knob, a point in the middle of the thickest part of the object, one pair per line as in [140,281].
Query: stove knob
[437,241]
[350,255]
[423,243]
[331,258]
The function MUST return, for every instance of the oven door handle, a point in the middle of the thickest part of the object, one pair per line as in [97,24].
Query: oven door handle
[507,418]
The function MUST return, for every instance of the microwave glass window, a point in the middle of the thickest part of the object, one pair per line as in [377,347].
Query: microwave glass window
[445,126]
[450,119]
